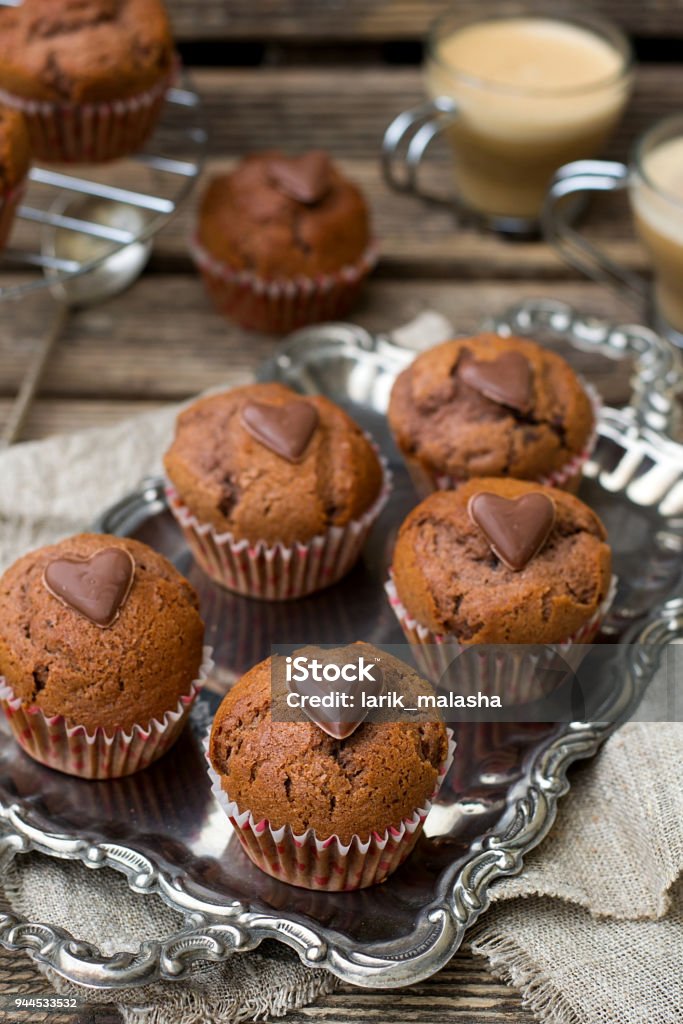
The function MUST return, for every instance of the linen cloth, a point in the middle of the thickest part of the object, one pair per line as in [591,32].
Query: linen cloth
[590,933]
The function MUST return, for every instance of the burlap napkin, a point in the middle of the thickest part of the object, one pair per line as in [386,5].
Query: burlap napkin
[591,933]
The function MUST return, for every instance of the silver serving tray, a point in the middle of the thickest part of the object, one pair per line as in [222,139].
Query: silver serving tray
[161,828]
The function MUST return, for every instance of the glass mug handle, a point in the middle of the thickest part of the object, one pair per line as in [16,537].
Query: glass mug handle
[579,178]
[406,141]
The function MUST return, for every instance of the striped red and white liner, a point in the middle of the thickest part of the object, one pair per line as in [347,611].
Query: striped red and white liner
[91,132]
[276,572]
[434,654]
[327,864]
[279,306]
[70,748]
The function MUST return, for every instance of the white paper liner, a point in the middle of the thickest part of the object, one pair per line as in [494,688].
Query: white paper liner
[326,864]
[567,477]
[276,572]
[91,132]
[514,680]
[279,306]
[70,748]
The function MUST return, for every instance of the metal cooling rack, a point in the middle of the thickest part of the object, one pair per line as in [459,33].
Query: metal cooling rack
[171,163]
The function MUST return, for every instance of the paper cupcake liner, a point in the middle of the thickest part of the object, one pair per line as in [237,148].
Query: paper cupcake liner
[566,477]
[91,132]
[276,572]
[280,306]
[513,677]
[327,864]
[8,208]
[70,748]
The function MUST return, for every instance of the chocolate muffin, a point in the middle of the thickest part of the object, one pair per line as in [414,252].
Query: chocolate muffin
[105,635]
[15,150]
[501,561]
[316,810]
[491,406]
[260,469]
[283,241]
[90,75]
[15,160]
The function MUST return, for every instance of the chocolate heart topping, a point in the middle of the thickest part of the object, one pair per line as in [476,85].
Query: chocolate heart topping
[341,722]
[97,587]
[505,380]
[305,178]
[516,530]
[285,429]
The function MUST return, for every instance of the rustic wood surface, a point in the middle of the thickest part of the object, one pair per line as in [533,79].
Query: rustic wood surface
[376,19]
[162,341]
[347,112]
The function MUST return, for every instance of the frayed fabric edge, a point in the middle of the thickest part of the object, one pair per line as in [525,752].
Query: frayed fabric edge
[233,1011]
[510,963]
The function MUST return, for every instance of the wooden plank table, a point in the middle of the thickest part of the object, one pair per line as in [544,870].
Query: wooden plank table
[162,341]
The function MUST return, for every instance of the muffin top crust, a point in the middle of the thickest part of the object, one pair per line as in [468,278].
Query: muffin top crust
[449,577]
[490,406]
[116,672]
[229,469]
[279,216]
[294,773]
[78,51]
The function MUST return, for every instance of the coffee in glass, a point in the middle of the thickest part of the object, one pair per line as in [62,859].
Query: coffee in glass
[521,89]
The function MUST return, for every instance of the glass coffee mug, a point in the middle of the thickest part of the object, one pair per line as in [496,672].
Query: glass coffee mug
[518,89]
[654,180]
